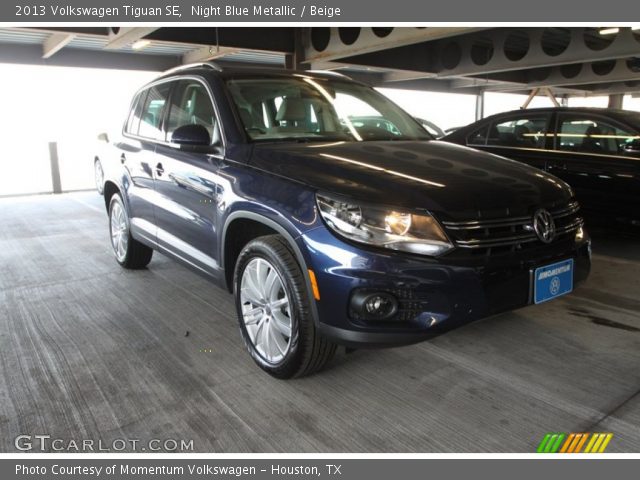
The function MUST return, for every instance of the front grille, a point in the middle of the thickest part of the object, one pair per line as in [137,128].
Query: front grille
[511,234]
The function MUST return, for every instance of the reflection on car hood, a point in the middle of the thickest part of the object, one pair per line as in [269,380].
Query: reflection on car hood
[433,175]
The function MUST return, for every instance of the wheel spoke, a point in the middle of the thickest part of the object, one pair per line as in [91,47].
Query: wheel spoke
[249,286]
[262,269]
[279,303]
[267,341]
[258,340]
[254,316]
[282,323]
[270,283]
[251,294]
[277,339]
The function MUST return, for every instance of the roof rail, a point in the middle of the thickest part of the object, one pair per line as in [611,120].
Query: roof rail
[328,72]
[211,65]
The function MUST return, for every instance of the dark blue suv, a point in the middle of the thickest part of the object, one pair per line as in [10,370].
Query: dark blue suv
[331,231]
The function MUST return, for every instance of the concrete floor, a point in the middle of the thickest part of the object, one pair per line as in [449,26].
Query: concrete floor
[91,351]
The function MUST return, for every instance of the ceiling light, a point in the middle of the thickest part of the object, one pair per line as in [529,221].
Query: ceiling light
[609,31]
[140,44]
[613,30]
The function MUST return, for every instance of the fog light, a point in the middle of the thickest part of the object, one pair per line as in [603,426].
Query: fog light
[374,305]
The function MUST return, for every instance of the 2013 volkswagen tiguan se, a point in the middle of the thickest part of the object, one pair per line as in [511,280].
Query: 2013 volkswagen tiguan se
[329,233]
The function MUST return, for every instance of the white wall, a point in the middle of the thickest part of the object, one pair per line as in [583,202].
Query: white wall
[593,102]
[41,104]
[497,102]
[447,110]
[631,103]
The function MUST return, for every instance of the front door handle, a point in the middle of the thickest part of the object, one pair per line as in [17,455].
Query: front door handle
[159,169]
[123,158]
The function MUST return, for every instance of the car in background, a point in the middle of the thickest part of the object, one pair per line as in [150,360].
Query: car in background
[377,125]
[330,230]
[450,130]
[596,151]
[431,127]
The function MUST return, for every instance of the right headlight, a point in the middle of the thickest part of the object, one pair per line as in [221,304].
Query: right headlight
[392,229]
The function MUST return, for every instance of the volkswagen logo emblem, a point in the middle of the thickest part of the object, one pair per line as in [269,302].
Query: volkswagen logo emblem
[544,226]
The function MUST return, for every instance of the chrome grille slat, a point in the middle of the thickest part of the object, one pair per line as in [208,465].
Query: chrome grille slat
[509,232]
[488,224]
[485,243]
[570,209]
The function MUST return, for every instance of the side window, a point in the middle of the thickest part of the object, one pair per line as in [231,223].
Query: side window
[152,112]
[479,137]
[592,135]
[191,105]
[133,122]
[520,132]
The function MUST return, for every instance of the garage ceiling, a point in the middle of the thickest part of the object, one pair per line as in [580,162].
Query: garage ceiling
[571,61]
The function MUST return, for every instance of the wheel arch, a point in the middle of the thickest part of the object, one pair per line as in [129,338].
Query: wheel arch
[269,226]
[110,189]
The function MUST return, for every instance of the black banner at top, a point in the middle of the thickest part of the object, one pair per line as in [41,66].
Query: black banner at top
[329,11]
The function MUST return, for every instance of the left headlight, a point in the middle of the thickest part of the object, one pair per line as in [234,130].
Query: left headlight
[392,229]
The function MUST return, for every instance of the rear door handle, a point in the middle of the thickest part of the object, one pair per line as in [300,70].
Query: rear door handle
[159,169]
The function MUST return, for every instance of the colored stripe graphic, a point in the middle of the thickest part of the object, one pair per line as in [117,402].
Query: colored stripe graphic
[577,446]
[567,443]
[574,442]
[551,443]
[543,443]
[605,442]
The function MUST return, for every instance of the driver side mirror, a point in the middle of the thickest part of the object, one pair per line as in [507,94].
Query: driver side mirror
[191,137]
[103,137]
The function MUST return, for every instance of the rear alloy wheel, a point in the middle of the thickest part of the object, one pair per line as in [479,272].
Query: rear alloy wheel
[128,251]
[98,173]
[274,312]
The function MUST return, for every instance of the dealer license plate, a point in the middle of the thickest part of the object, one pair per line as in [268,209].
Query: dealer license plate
[552,281]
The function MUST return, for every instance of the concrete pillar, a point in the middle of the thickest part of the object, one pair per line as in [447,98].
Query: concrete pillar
[615,100]
[56,184]
[480,106]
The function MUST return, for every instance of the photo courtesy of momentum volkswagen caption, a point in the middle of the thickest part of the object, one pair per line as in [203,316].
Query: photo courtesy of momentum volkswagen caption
[326,230]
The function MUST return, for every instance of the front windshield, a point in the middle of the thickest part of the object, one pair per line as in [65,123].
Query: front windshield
[300,108]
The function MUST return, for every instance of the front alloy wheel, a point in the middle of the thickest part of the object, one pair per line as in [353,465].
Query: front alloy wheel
[265,310]
[274,310]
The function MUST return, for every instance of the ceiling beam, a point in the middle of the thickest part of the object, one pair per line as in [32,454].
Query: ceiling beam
[77,57]
[207,53]
[576,50]
[268,39]
[367,40]
[616,88]
[55,43]
[591,73]
[497,51]
[126,36]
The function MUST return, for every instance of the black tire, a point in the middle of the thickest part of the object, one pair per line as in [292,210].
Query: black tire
[308,351]
[99,183]
[135,255]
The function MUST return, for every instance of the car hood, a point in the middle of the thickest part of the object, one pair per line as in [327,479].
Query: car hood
[438,176]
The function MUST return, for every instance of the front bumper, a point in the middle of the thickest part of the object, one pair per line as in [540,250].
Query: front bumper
[435,294]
